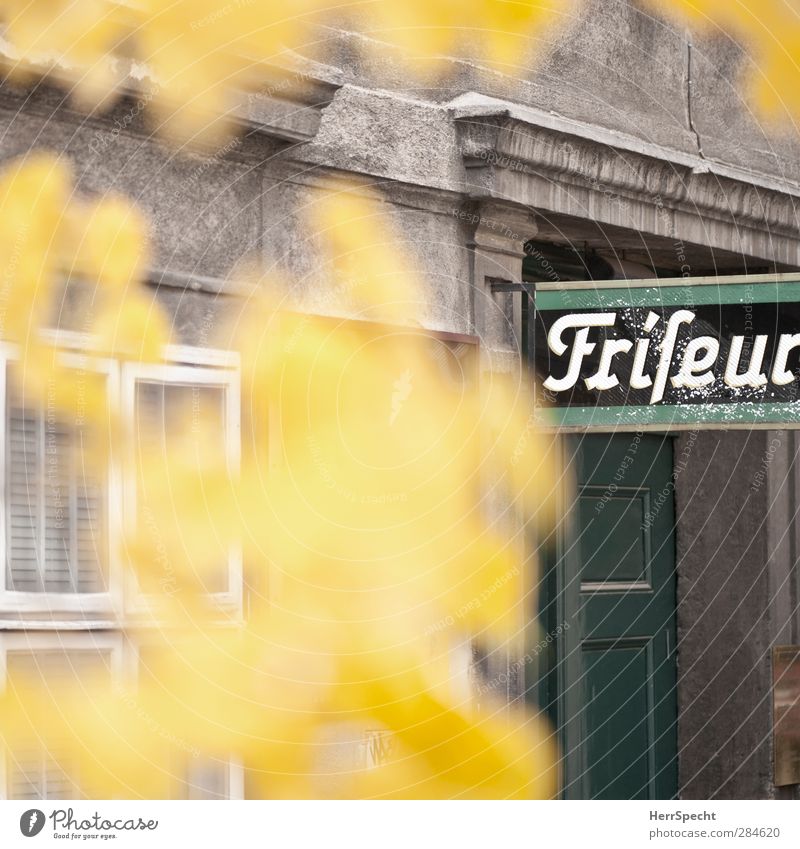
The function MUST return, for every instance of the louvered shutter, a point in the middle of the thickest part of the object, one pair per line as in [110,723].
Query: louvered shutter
[23,487]
[91,543]
[55,521]
[33,772]
[59,509]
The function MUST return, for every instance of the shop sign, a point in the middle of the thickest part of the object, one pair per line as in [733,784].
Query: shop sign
[711,351]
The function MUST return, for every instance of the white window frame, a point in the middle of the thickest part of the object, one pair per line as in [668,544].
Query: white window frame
[192,366]
[182,363]
[108,600]
[113,643]
[235,782]
[124,668]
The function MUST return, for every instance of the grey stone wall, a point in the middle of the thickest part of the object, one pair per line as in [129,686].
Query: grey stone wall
[614,64]
[736,508]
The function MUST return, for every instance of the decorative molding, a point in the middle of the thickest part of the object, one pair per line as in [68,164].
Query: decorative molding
[287,107]
[499,227]
[545,162]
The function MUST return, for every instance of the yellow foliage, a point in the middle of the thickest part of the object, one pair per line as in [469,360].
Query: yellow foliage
[364,503]
[203,55]
[113,248]
[770,32]
[369,527]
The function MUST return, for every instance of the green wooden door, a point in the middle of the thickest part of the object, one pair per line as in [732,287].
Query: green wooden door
[616,663]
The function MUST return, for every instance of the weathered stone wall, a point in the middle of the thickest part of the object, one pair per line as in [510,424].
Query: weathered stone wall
[736,508]
[616,65]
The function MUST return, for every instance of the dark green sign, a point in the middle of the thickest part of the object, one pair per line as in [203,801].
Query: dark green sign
[669,353]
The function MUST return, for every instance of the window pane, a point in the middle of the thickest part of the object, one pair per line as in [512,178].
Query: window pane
[167,411]
[193,775]
[206,778]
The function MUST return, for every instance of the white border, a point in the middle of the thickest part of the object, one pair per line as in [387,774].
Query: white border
[106,602]
[185,364]
[39,641]
[229,380]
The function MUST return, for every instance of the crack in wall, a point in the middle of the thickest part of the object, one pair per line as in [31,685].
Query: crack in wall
[689,94]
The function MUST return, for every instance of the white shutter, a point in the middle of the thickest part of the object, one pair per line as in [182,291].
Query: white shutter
[23,488]
[33,772]
[26,773]
[59,508]
[90,535]
[55,521]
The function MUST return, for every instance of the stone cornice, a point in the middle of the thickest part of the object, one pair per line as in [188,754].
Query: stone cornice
[529,157]
[478,108]
[286,107]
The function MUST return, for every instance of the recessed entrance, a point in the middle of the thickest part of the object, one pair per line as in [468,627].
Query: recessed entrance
[611,682]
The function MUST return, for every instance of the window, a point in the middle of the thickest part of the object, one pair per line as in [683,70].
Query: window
[206,778]
[161,399]
[59,659]
[54,523]
[193,774]
[62,508]
[54,660]
[59,516]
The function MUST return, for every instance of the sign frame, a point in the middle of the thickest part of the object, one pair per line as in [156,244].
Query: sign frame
[659,293]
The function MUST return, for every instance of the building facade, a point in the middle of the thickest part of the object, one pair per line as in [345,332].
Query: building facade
[627,151]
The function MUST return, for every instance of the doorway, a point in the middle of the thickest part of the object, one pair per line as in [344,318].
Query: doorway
[609,577]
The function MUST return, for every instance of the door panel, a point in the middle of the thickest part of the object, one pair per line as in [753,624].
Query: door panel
[618,581]
[618,736]
[614,546]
